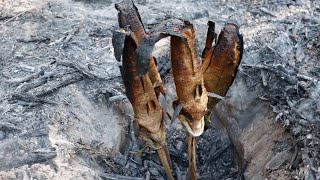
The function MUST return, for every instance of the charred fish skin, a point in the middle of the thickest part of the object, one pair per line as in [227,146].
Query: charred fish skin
[142,91]
[128,15]
[211,36]
[166,28]
[118,38]
[188,79]
[141,94]
[220,65]
[190,89]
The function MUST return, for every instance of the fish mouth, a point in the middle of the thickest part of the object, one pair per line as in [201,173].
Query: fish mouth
[196,130]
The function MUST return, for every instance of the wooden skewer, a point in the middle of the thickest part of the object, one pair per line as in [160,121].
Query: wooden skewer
[166,161]
[192,171]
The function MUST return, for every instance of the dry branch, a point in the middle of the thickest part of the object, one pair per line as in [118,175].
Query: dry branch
[34,40]
[26,78]
[63,41]
[85,70]
[9,126]
[14,17]
[30,98]
[48,79]
[26,86]
[117,176]
[290,76]
[49,88]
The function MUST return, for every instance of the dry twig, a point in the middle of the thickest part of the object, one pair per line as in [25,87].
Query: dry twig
[118,177]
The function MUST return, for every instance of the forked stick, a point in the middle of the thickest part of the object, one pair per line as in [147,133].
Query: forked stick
[166,160]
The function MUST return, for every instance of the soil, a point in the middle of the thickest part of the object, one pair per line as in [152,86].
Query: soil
[63,113]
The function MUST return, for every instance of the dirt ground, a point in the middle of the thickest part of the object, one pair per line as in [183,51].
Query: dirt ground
[63,113]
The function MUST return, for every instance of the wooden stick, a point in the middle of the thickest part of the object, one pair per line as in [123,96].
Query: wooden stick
[166,161]
[192,171]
